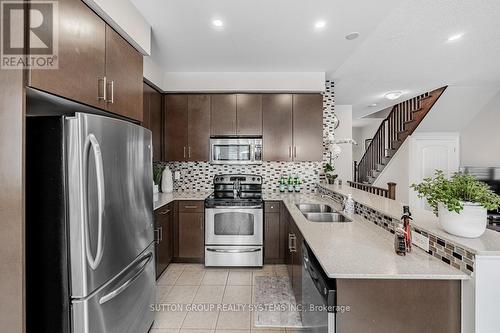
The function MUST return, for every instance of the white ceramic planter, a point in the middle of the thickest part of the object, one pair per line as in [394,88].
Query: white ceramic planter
[470,223]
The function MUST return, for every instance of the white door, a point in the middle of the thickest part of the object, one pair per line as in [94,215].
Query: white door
[430,152]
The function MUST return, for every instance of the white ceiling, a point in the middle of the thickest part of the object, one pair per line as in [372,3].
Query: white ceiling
[403,43]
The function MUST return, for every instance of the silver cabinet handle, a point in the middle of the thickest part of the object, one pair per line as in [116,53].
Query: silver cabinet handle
[157,236]
[146,259]
[189,152]
[165,212]
[111,84]
[290,151]
[295,151]
[234,251]
[92,143]
[190,207]
[184,153]
[161,234]
[103,80]
[292,239]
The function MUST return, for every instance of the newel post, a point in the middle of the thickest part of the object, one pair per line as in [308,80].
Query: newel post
[392,190]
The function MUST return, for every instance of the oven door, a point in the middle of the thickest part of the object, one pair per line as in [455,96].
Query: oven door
[233,226]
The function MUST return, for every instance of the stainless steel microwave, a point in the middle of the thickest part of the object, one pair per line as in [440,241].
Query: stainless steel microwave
[236,150]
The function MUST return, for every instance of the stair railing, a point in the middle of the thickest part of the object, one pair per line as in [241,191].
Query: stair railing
[394,129]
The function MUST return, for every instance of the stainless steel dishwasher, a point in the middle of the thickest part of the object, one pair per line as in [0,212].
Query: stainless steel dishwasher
[319,296]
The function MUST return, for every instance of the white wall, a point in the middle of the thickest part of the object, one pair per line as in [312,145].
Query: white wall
[124,17]
[397,171]
[244,81]
[152,72]
[343,164]
[480,139]
[360,134]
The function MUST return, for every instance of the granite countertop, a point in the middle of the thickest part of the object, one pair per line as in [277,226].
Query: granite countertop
[161,199]
[486,245]
[360,249]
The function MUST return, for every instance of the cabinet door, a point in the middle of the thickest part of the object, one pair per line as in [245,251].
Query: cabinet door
[124,77]
[223,114]
[249,114]
[288,244]
[307,127]
[277,127]
[198,127]
[191,240]
[271,240]
[297,265]
[164,246]
[152,119]
[81,56]
[175,125]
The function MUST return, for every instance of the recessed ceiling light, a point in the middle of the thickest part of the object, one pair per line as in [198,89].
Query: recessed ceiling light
[391,95]
[218,23]
[455,37]
[372,105]
[320,25]
[352,35]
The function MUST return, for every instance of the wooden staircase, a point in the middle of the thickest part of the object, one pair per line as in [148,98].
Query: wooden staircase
[403,119]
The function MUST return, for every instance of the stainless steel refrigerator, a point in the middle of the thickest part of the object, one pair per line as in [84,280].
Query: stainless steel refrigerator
[89,225]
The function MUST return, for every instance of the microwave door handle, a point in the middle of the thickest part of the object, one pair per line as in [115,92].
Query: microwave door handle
[92,143]
[252,152]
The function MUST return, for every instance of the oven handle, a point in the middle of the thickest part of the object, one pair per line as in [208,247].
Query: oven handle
[234,251]
[237,207]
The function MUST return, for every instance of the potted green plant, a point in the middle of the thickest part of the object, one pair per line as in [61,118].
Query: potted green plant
[157,171]
[329,171]
[461,202]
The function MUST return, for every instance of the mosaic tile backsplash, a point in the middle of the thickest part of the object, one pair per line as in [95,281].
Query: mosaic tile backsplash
[198,176]
[450,253]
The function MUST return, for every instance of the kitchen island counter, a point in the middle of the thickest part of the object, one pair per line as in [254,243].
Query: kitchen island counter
[360,249]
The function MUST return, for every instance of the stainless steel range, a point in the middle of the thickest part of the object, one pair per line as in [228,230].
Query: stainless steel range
[234,226]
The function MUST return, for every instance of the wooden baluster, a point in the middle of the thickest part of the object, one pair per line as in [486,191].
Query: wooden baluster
[391,190]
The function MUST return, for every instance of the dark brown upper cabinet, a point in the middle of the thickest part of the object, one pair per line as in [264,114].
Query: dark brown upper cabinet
[81,58]
[97,66]
[277,133]
[198,127]
[123,77]
[223,114]
[307,127]
[176,127]
[187,127]
[152,119]
[249,114]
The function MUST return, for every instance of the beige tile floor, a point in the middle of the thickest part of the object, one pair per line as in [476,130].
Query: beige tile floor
[193,283]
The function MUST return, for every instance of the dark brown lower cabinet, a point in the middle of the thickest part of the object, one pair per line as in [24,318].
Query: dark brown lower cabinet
[412,306]
[163,237]
[293,255]
[274,233]
[190,245]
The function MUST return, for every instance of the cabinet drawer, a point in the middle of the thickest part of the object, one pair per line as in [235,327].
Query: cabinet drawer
[272,207]
[189,206]
[163,210]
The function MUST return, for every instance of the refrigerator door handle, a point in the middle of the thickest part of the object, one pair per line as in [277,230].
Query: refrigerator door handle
[92,143]
[145,261]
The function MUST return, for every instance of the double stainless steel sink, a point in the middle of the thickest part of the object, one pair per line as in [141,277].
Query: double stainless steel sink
[321,213]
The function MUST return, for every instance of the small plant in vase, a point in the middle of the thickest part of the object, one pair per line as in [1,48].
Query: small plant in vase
[461,202]
[330,175]
[157,171]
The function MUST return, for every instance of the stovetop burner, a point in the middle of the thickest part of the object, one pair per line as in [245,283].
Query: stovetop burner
[236,191]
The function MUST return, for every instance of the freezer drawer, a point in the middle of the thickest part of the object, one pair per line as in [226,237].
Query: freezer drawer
[244,256]
[123,304]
